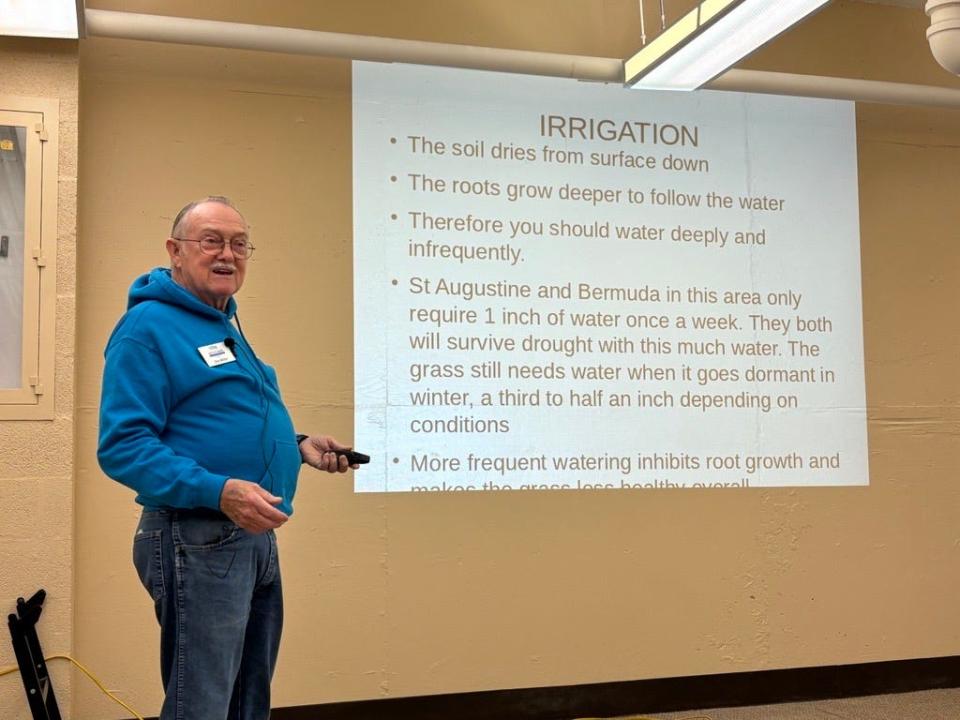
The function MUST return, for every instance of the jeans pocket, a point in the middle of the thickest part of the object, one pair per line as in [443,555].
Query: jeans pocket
[148,560]
[209,541]
[203,533]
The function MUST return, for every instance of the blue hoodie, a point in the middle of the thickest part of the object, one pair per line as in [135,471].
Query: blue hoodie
[174,429]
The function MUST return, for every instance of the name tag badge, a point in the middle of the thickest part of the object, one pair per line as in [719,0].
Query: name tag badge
[216,354]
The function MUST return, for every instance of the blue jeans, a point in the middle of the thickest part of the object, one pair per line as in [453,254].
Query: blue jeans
[217,594]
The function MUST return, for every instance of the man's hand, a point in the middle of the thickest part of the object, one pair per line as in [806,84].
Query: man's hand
[318,451]
[250,506]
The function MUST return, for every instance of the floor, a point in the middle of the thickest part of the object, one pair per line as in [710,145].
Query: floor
[926,705]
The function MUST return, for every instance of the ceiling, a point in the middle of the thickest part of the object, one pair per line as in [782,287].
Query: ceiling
[852,37]
[918,4]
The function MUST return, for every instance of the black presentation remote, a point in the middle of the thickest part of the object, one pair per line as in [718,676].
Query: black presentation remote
[354,458]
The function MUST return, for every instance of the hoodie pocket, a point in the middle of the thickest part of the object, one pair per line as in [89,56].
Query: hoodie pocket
[281,475]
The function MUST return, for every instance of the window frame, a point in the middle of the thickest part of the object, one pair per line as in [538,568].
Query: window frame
[34,399]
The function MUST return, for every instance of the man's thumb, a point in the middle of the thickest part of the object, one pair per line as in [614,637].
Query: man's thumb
[270,497]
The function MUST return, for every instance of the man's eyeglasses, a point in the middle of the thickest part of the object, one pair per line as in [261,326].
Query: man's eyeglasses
[214,244]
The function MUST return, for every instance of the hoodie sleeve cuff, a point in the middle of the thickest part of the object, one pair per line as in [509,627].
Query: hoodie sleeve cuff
[300,439]
[212,491]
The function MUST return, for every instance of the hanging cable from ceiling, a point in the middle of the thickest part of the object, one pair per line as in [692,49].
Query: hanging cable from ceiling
[643,25]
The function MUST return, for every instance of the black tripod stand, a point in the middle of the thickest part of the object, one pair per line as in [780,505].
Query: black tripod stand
[33,668]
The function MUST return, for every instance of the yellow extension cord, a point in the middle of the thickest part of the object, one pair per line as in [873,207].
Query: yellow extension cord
[14,668]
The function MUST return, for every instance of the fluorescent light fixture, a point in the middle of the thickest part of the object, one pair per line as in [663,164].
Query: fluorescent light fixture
[709,39]
[41,18]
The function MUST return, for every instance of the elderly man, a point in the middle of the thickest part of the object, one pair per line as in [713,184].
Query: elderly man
[193,421]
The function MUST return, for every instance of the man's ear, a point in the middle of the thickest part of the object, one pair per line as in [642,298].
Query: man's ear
[173,250]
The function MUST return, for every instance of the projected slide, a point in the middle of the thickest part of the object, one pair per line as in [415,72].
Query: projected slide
[562,285]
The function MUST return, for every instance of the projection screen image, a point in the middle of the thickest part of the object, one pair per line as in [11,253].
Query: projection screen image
[563,285]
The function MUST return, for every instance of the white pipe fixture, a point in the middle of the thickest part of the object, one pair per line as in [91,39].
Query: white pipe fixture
[710,39]
[872,91]
[944,33]
[214,33]
[41,18]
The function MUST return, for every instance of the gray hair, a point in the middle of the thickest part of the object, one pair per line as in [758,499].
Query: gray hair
[178,220]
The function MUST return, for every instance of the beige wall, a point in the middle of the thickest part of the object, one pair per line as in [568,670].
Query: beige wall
[36,457]
[399,595]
